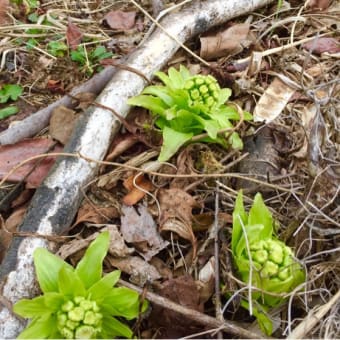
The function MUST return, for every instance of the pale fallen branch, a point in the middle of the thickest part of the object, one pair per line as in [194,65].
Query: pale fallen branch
[56,201]
[313,318]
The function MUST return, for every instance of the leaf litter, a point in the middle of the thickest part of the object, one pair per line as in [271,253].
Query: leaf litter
[161,223]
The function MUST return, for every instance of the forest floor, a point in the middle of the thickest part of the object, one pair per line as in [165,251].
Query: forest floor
[174,232]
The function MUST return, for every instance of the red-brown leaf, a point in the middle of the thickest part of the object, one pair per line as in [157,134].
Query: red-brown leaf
[12,155]
[119,20]
[73,35]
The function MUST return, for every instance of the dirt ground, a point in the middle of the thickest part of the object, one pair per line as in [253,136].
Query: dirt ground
[174,224]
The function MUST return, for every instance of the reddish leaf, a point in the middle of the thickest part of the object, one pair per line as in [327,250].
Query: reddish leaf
[119,20]
[321,45]
[73,35]
[56,86]
[4,9]
[318,4]
[136,194]
[12,155]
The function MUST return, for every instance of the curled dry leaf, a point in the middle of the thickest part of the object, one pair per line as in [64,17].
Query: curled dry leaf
[62,123]
[138,187]
[227,43]
[9,227]
[73,35]
[13,154]
[139,228]
[96,214]
[322,45]
[176,206]
[119,20]
[139,270]
[206,280]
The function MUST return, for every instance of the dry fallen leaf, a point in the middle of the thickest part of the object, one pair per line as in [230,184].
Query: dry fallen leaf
[176,206]
[11,225]
[95,214]
[139,270]
[140,229]
[273,101]
[4,9]
[73,35]
[322,45]
[62,123]
[12,155]
[119,20]
[318,4]
[227,43]
[172,325]
[117,245]
[138,191]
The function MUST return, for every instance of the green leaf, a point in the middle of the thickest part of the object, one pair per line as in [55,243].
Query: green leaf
[235,141]
[262,317]
[161,92]
[47,267]
[155,105]
[32,308]
[172,141]
[54,300]
[10,91]
[164,78]
[224,96]
[184,72]
[89,268]
[40,328]
[112,328]
[124,302]
[69,283]
[8,111]
[176,80]
[101,289]
[239,217]
[259,214]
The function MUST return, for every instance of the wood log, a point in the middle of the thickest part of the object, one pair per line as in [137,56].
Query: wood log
[56,201]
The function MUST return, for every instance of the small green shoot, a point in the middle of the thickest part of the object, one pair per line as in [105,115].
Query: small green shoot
[10,92]
[57,48]
[262,260]
[89,59]
[78,303]
[8,111]
[187,106]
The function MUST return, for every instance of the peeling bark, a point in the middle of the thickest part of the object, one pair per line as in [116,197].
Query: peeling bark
[55,202]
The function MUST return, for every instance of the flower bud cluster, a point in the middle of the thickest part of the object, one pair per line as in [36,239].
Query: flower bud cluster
[203,90]
[79,318]
[272,258]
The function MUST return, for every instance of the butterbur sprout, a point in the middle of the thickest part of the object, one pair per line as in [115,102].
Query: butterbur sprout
[257,252]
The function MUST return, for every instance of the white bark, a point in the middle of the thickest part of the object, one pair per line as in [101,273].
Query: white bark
[56,201]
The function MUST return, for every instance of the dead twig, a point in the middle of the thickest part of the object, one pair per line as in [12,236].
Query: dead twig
[229,326]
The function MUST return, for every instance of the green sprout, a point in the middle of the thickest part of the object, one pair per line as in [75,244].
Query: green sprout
[78,303]
[187,106]
[57,48]
[9,92]
[89,60]
[262,260]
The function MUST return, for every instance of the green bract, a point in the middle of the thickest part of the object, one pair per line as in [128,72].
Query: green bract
[189,105]
[78,303]
[274,268]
